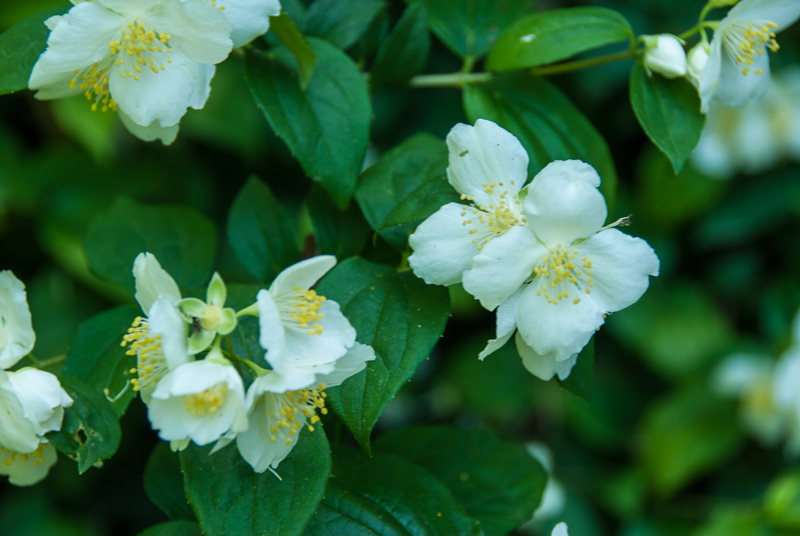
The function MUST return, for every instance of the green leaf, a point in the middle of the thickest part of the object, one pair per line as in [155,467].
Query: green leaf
[97,359]
[496,482]
[419,160]
[669,112]
[20,48]
[555,35]
[231,499]
[422,202]
[580,381]
[173,528]
[782,501]
[547,124]
[388,496]
[286,31]
[259,232]
[405,51]
[183,241]
[245,337]
[163,484]
[686,435]
[470,27]
[341,23]
[326,126]
[339,233]
[90,430]
[400,317]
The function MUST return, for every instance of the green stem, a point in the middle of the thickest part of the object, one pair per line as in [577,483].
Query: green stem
[47,363]
[249,310]
[583,64]
[690,32]
[449,80]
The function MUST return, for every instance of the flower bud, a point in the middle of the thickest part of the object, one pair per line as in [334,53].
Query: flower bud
[664,54]
[697,59]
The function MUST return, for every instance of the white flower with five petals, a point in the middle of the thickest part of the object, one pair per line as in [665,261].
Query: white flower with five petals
[16,331]
[737,69]
[149,59]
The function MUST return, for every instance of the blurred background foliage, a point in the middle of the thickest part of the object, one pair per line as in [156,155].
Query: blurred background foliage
[655,453]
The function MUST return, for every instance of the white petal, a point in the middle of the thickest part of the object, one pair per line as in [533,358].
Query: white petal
[544,366]
[272,336]
[302,275]
[621,265]
[782,12]
[709,79]
[151,132]
[165,95]
[350,364]
[559,329]
[506,324]
[165,321]
[740,372]
[502,266]
[28,469]
[736,88]
[249,18]
[485,154]
[16,331]
[304,348]
[42,397]
[198,29]
[17,433]
[443,246]
[564,204]
[256,444]
[560,530]
[152,281]
[785,394]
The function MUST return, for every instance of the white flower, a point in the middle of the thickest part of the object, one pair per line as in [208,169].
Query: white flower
[303,333]
[664,54]
[696,61]
[16,331]
[488,167]
[557,277]
[159,340]
[32,404]
[200,401]
[560,530]
[737,69]
[208,318]
[277,411]
[248,18]
[148,59]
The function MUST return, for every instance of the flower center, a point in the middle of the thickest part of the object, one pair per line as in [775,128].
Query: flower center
[498,218]
[749,41]
[150,364]
[559,273]
[37,456]
[94,83]
[208,401]
[139,48]
[211,317]
[304,310]
[294,408]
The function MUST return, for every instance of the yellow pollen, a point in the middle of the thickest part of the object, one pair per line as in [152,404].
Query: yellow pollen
[305,310]
[208,401]
[37,456]
[147,348]
[751,40]
[559,271]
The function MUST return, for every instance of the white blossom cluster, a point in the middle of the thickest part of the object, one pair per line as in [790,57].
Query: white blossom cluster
[32,401]
[309,344]
[538,254]
[148,60]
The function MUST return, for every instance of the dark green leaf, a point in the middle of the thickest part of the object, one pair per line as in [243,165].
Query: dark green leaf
[231,499]
[469,27]
[386,496]
[684,436]
[97,359]
[580,381]
[260,233]
[163,484]
[326,126]
[20,48]
[286,31]
[400,317]
[341,23]
[422,202]
[417,161]
[782,501]
[405,52]
[545,121]
[245,337]
[173,528]
[496,482]
[339,233]
[183,241]
[555,35]
[90,430]
[669,112]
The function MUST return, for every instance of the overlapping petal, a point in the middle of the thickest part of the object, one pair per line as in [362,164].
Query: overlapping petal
[544,366]
[302,275]
[16,330]
[152,281]
[506,324]
[249,18]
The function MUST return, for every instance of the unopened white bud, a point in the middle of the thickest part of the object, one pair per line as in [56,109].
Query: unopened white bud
[664,54]
[697,59]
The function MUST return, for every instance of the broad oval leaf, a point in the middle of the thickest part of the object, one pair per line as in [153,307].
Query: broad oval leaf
[400,317]
[341,23]
[342,233]
[97,359]
[326,126]
[284,28]
[163,484]
[183,240]
[405,51]
[90,431]
[259,232]
[496,482]
[230,499]
[547,124]
[388,496]
[20,48]
[555,35]
[669,112]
